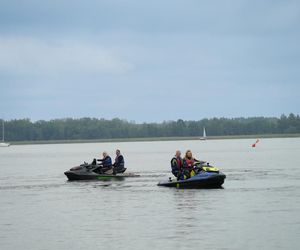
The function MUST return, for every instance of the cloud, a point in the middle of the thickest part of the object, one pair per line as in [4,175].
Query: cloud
[131,58]
[36,56]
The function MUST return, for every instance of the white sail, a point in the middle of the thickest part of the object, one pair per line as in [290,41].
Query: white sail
[204,135]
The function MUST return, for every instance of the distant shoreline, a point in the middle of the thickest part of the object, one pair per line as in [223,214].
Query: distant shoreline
[149,139]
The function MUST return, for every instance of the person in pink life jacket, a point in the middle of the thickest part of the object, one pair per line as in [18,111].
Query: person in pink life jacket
[189,162]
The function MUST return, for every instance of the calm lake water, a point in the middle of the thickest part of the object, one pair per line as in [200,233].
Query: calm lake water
[259,207]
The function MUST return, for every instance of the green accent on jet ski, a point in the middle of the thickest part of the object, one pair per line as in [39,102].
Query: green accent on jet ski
[104,177]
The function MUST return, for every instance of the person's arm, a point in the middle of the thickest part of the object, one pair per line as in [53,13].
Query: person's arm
[117,161]
[120,158]
[101,162]
[199,162]
[173,163]
[184,163]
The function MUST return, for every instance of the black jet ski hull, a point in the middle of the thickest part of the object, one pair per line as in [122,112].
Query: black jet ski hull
[201,180]
[73,176]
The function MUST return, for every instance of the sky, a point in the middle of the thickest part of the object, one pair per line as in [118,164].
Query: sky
[149,61]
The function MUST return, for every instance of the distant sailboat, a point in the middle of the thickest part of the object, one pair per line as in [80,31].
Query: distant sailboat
[3,144]
[204,135]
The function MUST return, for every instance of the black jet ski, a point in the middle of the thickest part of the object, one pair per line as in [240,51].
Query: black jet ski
[91,172]
[205,177]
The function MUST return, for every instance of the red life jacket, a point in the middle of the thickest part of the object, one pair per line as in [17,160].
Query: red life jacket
[179,162]
[189,162]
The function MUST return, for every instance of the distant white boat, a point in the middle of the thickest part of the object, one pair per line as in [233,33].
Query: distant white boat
[204,135]
[3,144]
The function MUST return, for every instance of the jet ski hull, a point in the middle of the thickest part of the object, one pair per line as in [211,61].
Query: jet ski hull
[73,176]
[201,180]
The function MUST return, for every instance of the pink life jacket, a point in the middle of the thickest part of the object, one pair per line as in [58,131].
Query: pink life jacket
[189,163]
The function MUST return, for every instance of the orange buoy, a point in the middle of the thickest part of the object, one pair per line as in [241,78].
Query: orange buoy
[254,144]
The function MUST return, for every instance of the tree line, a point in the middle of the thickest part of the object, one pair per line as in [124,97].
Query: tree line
[93,128]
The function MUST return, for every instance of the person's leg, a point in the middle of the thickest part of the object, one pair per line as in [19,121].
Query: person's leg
[192,173]
[119,169]
[97,170]
[107,170]
[187,173]
[175,173]
[180,175]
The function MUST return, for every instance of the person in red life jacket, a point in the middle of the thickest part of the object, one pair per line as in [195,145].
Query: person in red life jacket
[177,164]
[189,163]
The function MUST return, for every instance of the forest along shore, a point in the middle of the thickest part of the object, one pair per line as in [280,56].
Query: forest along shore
[69,130]
[156,139]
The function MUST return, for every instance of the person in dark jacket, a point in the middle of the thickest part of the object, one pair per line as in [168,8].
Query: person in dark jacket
[176,165]
[106,164]
[119,163]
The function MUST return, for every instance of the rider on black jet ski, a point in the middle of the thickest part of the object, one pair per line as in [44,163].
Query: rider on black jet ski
[105,165]
[119,164]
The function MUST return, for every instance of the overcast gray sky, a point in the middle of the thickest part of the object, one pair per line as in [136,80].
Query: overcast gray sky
[149,60]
